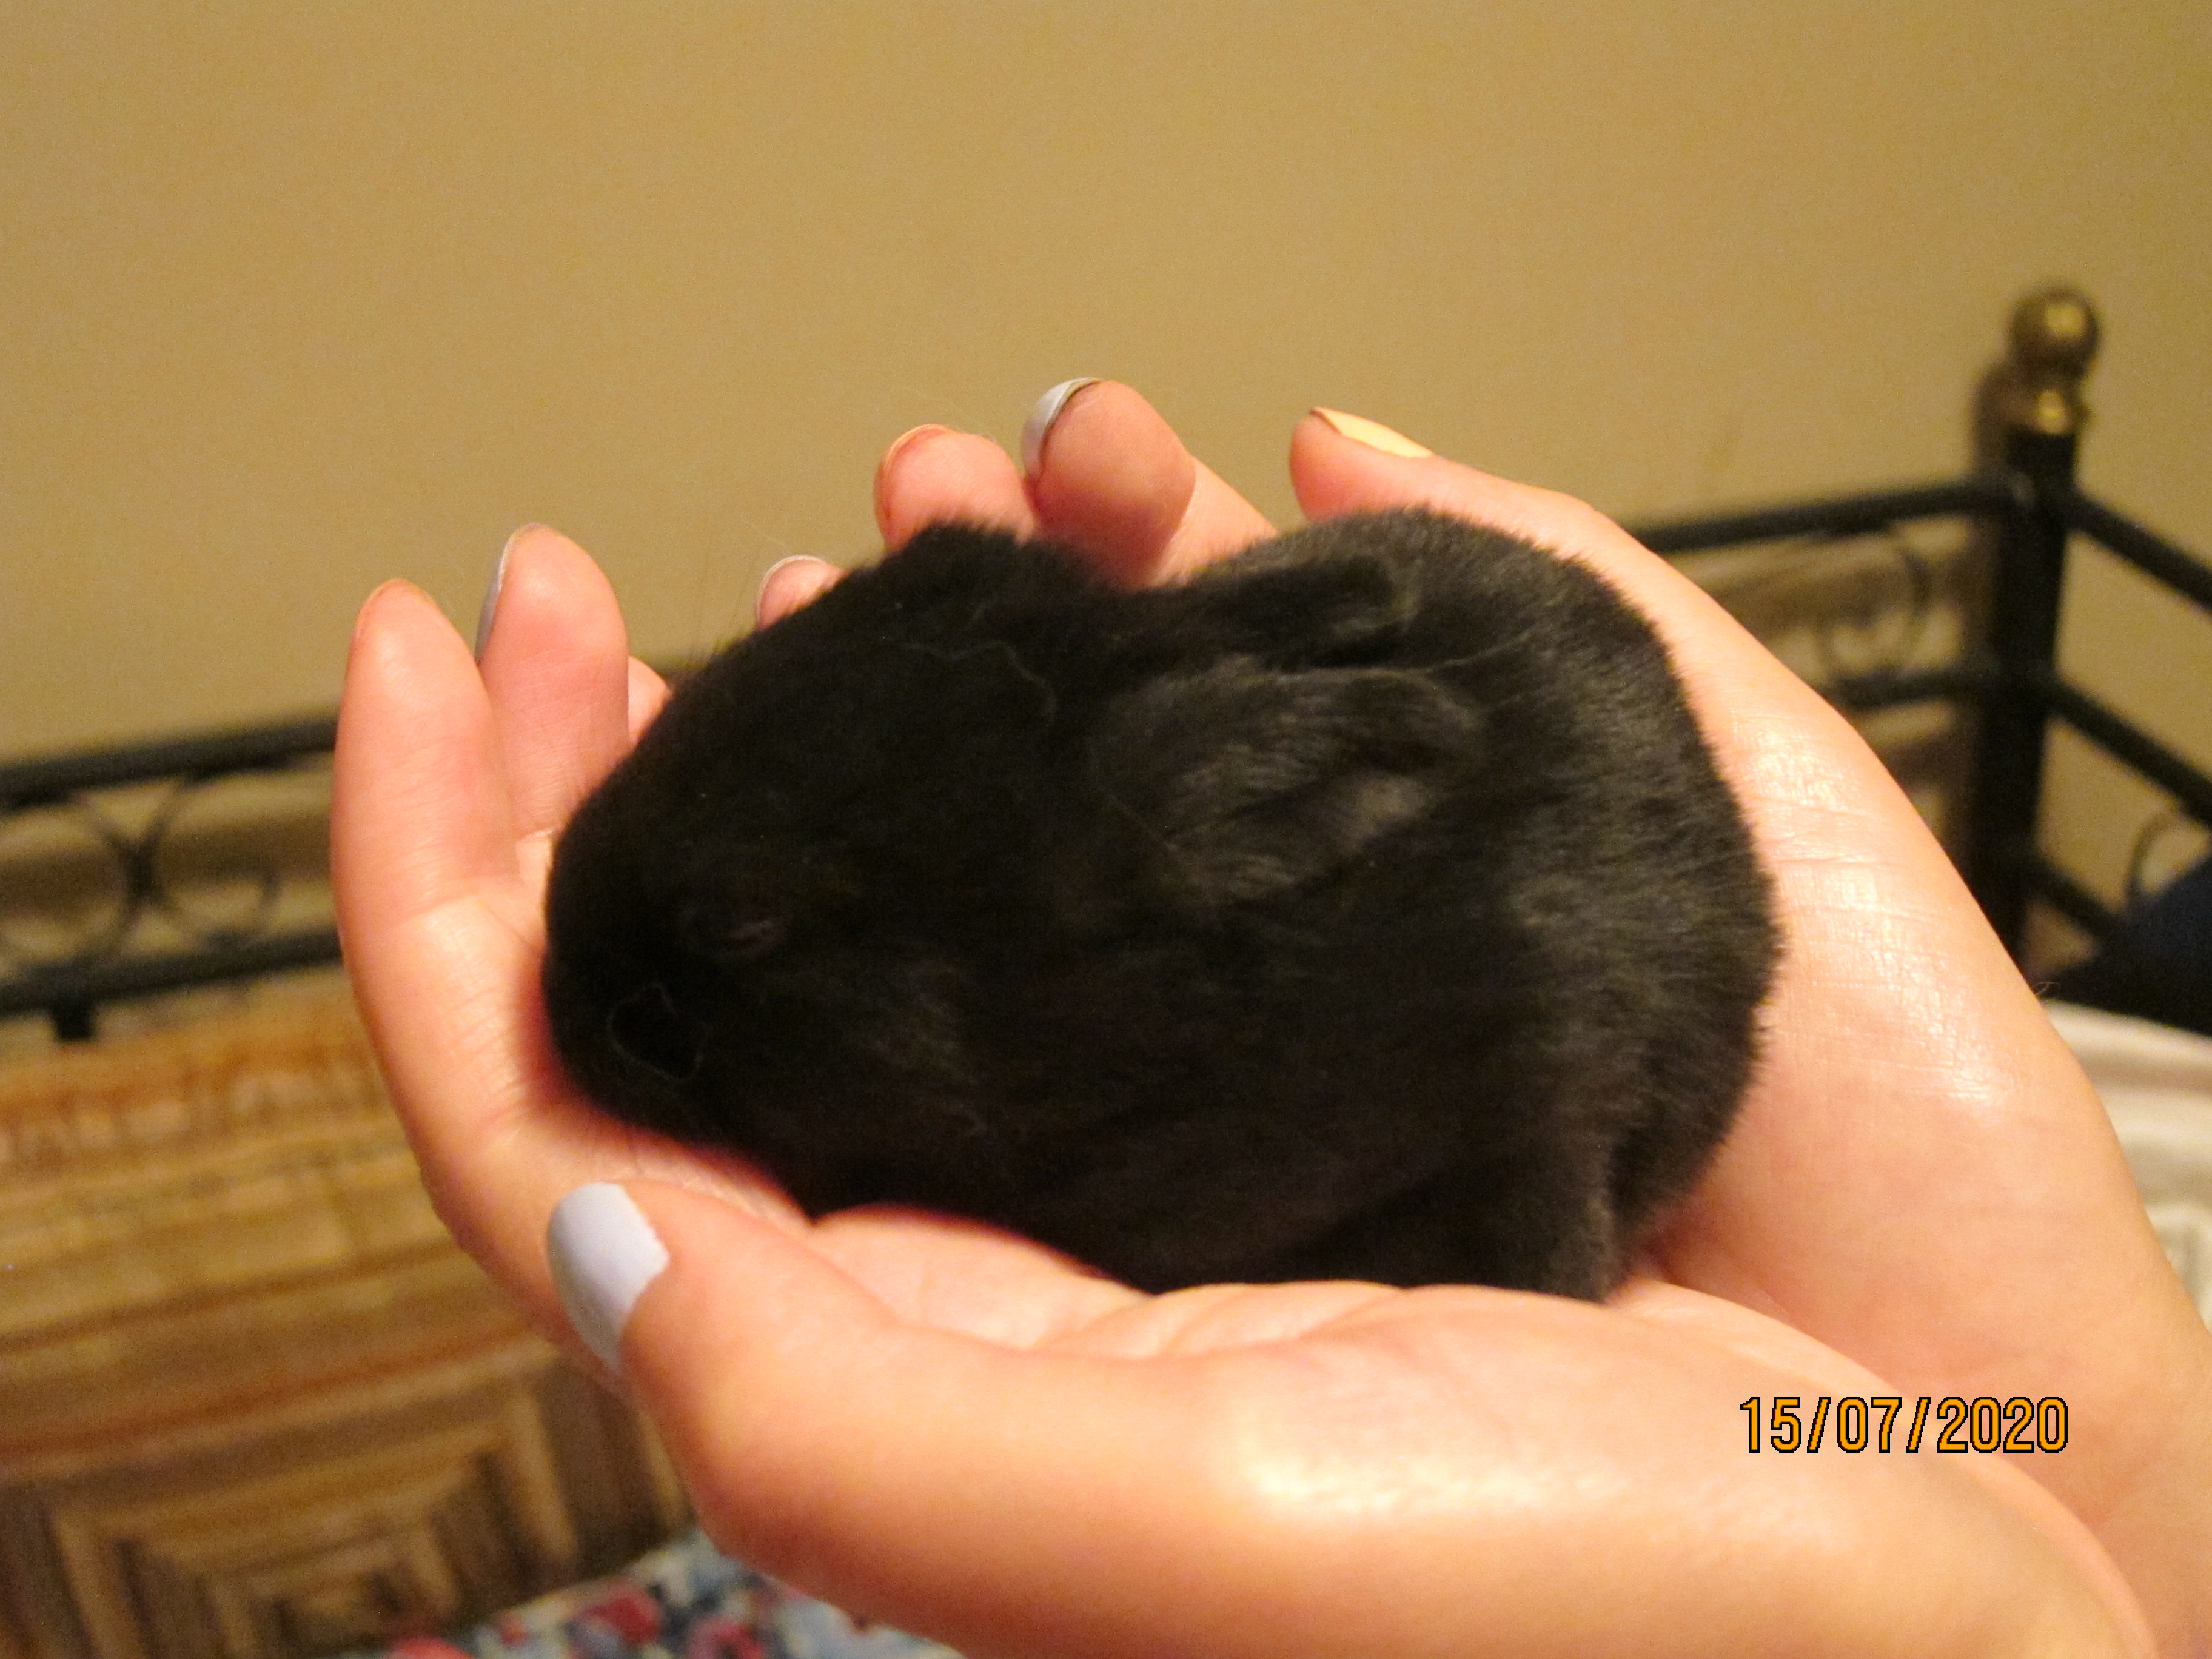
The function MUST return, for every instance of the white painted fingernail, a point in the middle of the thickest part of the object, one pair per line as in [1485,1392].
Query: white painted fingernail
[1038,427]
[605,1253]
[826,576]
[490,607]
[768,574]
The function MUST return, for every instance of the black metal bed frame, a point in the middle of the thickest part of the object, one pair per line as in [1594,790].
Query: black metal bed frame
[2023,497]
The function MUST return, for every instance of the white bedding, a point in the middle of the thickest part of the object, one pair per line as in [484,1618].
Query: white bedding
[2156,1082]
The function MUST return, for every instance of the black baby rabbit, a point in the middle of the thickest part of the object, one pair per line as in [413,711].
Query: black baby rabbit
[1364,905]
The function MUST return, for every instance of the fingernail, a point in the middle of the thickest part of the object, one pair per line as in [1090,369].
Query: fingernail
[603,1253]
[826,575]
[768,574]
[1373,434]
[489,610]
[908,439]
[1038,427]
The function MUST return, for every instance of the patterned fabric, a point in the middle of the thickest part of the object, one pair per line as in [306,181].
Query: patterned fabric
[684,1602]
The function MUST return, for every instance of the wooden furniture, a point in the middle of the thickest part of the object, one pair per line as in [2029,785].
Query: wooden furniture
[253,1400]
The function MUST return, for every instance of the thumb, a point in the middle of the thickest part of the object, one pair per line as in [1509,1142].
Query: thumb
[1769,730]
[1343,464]
[930,1479]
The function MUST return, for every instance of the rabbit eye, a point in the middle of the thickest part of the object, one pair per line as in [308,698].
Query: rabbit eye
[756,937]
[712,931]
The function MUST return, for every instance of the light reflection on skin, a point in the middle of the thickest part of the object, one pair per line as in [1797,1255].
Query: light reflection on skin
[1503,1463]
[1541,1450]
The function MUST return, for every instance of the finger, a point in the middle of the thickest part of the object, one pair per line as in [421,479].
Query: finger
[420,810]
[1730,1325]
[441,934]
[1109,476]
[791,583]
[1724,668]
[648,691]
[954,1274]
[817,1431]
[934,475]
[556,667]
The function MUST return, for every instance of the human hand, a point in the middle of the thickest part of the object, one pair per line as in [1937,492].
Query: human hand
[450,786]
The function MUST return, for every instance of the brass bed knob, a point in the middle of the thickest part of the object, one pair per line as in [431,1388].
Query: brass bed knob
[2054,340]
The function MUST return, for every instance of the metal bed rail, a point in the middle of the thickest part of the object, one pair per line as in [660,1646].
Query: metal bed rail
[2032,415]
[2023,498]
[103,959]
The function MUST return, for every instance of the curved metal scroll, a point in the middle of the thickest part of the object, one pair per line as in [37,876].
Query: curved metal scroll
[126,872]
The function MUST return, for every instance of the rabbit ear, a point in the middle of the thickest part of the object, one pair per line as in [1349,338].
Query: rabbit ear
[1237,782]
[1291,608]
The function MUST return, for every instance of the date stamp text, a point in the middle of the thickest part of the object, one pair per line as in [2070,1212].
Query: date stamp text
[1848,1423]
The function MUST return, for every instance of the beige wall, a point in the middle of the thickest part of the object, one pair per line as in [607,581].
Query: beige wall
[296,297]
